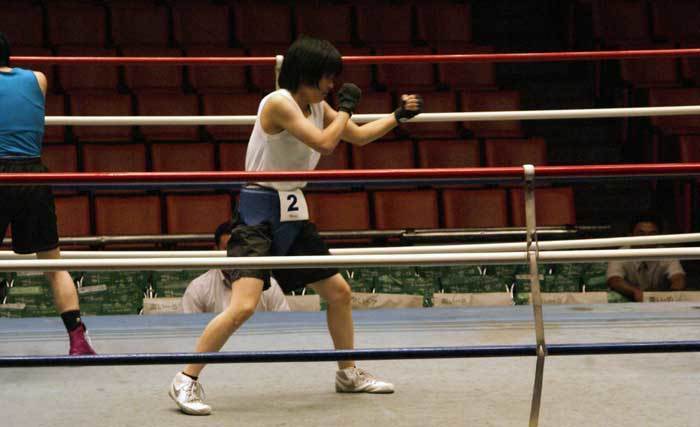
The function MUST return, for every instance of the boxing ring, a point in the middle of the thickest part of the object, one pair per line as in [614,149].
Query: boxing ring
[642,330]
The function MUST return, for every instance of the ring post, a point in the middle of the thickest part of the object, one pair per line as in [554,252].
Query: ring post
[279,59]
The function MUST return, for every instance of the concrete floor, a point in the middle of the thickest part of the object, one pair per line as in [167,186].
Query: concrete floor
[634,390]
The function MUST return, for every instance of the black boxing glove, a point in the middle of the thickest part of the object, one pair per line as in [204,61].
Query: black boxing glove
[348,97]
[403,115]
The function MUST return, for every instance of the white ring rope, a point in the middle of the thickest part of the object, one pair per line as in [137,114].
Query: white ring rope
[483,116]
[554,257]
[611,242]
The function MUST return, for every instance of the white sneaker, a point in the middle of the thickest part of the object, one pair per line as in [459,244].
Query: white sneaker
[356,380]
[188,394]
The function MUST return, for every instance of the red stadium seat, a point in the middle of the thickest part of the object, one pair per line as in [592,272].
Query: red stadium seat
[88,77]
[515,152]
[406,77]
[384,155]
[232,156]
[114,157]
[384,24]
[689,152]
[609,16]
[405,209]
[340,159]
[221,78]
[60,157]
[140,24]
[331,22]
[165,104]
[259,22]
[84,104]
[23,24]
[196,23]
[677,125]
[127,215]
[197,156]
[153,78]
[480,208]
[201,213]
[55,106]
[645,73]
[263,76]
[690,69]
[48,70]
[553,206]
[448,153]
[492,101]
[73,215]
[77,24]
[440,21]
[351,210]
[463,75]
[376,103]
[359,74]
[676,20]
[435,102]
[230,105]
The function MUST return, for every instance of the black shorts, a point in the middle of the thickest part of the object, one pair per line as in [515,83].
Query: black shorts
[29,209]
[256,240]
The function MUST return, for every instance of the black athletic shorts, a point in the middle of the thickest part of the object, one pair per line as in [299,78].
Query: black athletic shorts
[256,240]
[29,209]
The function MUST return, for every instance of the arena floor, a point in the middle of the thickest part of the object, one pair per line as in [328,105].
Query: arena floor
[622,390]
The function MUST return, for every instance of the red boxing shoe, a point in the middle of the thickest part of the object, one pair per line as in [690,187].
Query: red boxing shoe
[79,342]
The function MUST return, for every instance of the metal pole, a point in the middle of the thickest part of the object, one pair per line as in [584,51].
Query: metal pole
[279,59]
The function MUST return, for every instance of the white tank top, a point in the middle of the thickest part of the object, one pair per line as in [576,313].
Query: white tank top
[282,151]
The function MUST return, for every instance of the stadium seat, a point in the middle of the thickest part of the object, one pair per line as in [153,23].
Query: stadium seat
[340,159]
[676,20]
[260,22]
[177,157]
[690,68]
[376,103]
[405,209]
[359,74]
[127,215]
[114,157]
[608,16]
[689,152]
[23,24]
[232,156]
[407,77]
[55,106]
[73,23]
[230,105]
[462,75]
[140,24]
[481,208]
[48,70]
[86,104]
[645,73]
[60,157]
[201,213]
[73,215]
[384,155]
[448,153]
[676,125]
[383,24]
[553,206]
[435,102]
[263,76]
[492,101]
[153,78]
[515,152]
[217,78]
[164,104]
[88,77]
[350,210]
[440,21]
[197,23]
[325,21]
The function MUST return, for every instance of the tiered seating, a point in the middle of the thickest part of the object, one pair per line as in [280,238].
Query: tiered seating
[381,24]
[88,77]
[350,212]
[73,215]
[23,24]
[444,22]
[553,206]
[143,213]
[384,155]
[48,70]
[262,77]
[167,104]
[408,77]
[197,23]
[232,156]
[492,101]
[450,153]
[474,208]
[55,106]
[325,21]
[114,157]
[217,78]
[515,152]
[77,24]
[230,104]
[153,78]
[262,23]
[436,102]
[60,157]
[100,105]
[463,75]
[676,20]
[608,19]
[689,152]
[645,73]
[340,159]
[377,102]
[361,75]
[412,209]
[140,24]
[179,157]
[202,213]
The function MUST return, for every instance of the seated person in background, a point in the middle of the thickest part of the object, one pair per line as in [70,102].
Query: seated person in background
[211,292]
[633,278]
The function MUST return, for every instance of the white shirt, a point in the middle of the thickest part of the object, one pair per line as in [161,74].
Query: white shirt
[646,275]
[210,292]
[282,151]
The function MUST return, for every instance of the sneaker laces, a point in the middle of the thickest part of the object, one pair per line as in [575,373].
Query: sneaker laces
[194,391]
[365,375]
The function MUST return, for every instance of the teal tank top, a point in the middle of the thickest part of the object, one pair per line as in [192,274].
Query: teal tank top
[22,119]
